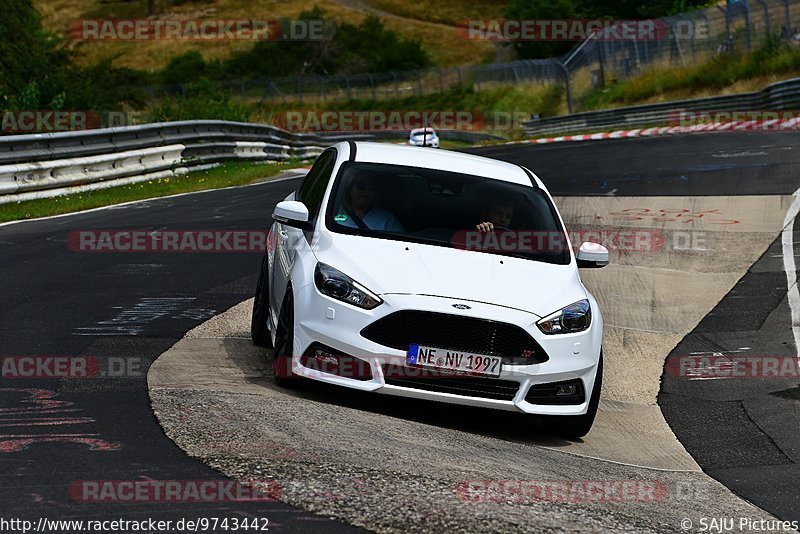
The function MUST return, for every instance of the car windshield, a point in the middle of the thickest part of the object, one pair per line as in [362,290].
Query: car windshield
[446,209]
[420,133]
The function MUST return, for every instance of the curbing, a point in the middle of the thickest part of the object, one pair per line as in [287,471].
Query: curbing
[773,125]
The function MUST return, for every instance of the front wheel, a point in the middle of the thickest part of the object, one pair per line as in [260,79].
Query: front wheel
[259,330]
[577,426]
[284,344]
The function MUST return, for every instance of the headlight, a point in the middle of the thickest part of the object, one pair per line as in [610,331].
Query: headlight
[339,286]
[573,318]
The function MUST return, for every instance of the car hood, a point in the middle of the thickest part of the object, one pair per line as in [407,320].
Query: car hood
[396,267]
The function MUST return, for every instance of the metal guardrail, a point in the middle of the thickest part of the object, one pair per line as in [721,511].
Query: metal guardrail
[778,96]
[54,164]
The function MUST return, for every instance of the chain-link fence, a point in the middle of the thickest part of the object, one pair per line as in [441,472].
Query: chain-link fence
[687,39]
[684,39]
[380,86]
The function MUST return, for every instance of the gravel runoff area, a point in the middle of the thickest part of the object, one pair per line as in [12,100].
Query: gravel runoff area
[392,464]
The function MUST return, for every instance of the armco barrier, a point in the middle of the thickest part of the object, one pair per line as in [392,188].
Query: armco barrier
[778,96]
[47,165]
[53,174]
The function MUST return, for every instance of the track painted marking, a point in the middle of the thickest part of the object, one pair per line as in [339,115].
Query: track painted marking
[787,241]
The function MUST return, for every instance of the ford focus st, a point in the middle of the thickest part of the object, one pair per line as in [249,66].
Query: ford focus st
[434,275]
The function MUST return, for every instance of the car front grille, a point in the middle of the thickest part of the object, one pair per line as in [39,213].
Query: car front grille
[441,382]
[466,334]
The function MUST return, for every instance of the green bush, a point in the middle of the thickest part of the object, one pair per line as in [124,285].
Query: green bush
[345,49]
[202,101]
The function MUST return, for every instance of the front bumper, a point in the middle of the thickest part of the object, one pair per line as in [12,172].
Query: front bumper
[325,321]
[428,143]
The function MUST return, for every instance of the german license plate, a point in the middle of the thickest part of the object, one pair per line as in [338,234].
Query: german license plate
[454,360]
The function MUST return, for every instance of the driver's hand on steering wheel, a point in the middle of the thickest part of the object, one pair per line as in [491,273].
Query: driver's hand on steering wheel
[485,227]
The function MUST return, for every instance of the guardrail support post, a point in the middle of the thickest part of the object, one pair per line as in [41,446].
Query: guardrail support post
[600,62]
[788,18]
[566,84]
[747,25]
[766,15]
[728,35]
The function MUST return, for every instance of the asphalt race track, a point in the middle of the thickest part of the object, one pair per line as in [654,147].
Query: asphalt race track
[63,303]
[743,432]
[54,300]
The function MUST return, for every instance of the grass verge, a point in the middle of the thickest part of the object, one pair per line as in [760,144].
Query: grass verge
[772,59]
[226,175]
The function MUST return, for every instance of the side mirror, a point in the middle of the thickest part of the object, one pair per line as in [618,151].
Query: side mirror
[292,213]
[592,255]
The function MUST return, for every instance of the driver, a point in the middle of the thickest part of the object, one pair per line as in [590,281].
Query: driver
[497,213]
[358,209]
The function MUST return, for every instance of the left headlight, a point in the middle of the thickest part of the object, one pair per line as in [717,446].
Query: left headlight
[573,318]
[337,285]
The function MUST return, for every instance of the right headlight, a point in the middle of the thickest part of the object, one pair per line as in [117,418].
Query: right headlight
[339,286]
[570,319]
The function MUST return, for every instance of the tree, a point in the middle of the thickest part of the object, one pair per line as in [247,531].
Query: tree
[31,63]
[541,9]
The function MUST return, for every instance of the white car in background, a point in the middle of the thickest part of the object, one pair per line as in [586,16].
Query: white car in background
[424,137]
[370,285]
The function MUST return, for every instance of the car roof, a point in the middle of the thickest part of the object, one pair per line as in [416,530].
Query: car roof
[445,160]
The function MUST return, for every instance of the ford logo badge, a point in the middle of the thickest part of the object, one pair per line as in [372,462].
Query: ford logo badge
[462,307]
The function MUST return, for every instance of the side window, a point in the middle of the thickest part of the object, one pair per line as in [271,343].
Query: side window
[313,187]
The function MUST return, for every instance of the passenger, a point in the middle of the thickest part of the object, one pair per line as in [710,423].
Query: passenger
[358,209]
[496,214]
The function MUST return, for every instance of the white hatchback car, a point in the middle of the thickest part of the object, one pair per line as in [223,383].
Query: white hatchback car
[434,275]
[424,137]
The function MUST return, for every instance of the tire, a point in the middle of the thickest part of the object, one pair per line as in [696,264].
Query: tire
[577,426]
[284,341]
[259,323]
